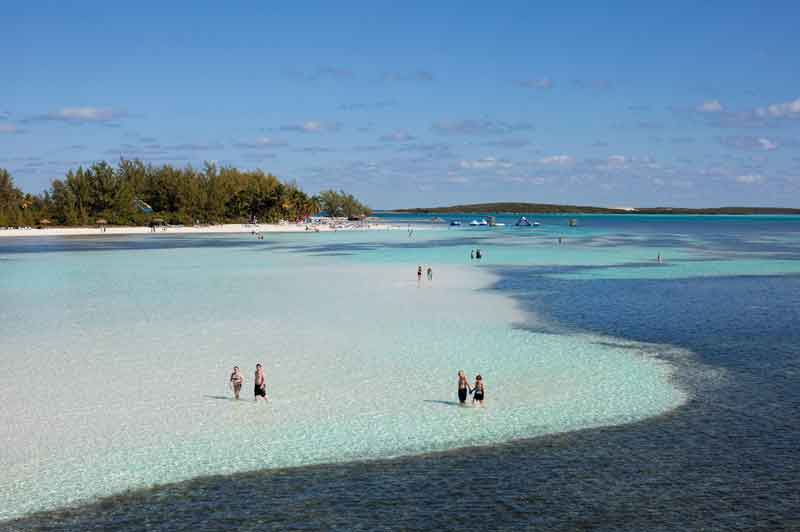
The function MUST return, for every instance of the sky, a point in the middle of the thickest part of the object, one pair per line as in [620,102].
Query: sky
[411,104]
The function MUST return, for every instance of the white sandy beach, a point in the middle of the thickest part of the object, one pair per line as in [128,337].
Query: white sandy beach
[192,230]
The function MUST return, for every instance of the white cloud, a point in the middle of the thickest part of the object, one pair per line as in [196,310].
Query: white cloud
[780,110]
[543,83]
[617,160]
[85,114]
[415,76]
[710,106]
[749,143]
[262,143]
[750,179]
[767,144]
[457,179]
[479,127]
[557,160]
[484,164]
[397,136]
[269,141]
[312,126]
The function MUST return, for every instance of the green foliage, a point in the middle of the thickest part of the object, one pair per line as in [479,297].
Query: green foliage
[342,204]
[176,195]
[11,201]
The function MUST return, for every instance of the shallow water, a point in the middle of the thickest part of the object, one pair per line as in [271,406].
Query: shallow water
[728,338]
[360,358]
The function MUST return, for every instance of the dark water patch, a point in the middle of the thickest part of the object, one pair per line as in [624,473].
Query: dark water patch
[76,244]
[629,478]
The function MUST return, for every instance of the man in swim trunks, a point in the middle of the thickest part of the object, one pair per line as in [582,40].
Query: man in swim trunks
[463,387]
[260,385]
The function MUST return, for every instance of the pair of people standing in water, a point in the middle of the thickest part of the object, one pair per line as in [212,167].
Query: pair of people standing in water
[259,387]
[419,273]
[464,389]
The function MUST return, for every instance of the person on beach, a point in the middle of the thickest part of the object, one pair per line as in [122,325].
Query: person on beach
[419,273]
[463,387]
[260,385]
[472,254]
[237,379]
[478,391]
[430,273]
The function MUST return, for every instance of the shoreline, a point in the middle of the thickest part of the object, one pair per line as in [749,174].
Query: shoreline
[193,230]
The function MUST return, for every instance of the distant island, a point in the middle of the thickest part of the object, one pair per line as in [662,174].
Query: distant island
[547,208]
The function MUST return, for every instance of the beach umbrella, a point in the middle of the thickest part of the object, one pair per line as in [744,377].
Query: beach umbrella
[101,221]
[44,221]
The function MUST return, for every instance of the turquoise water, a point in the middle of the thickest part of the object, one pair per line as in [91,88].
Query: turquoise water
[132,346]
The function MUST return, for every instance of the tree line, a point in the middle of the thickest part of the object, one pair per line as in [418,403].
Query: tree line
[135,193]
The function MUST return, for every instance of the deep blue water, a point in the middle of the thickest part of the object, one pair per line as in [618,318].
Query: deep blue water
[727,460]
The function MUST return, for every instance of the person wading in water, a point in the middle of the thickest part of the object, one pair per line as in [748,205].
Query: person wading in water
[260,385]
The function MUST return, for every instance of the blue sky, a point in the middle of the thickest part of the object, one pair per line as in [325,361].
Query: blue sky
[417,103]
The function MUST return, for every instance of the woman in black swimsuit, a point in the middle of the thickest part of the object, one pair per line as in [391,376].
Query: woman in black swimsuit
[237,379]
[463,387]
[478,391]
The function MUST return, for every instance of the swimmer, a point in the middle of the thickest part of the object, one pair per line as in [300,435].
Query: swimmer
[260,385]
[463,387]
[478,391]
[419,273]
[237,379]
[430,273]
[472,254]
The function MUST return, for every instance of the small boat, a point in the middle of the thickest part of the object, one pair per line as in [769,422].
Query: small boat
[499,224]
[437,220]
[455,223]
[483,222]
[474,223]
[536,224]
[523,222]
[573,222]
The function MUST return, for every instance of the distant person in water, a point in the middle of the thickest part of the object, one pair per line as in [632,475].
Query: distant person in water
[478,391]
[419,273]
[478,254]
[260,384]
[237,379]
[430,273]
[463,387]
[659,258]
[472,254]
[560,241]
